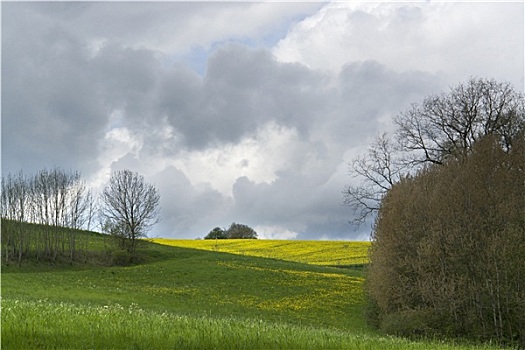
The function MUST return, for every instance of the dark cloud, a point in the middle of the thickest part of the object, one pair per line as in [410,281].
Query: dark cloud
[69,86]
[242,90]
[51,110]
[68,66]
[370,91]
[247,138]
[174,28]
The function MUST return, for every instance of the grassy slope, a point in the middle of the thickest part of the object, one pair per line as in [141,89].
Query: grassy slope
[194,282]
[190,299]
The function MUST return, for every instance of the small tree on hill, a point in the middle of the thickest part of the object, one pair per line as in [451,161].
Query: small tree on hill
[129,207]
[216,233]
[240,231]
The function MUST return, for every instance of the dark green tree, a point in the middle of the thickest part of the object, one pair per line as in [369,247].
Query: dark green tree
[216,233]
[236,231]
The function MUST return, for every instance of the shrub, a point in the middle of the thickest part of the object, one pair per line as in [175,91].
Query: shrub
[121,258]
[415,323]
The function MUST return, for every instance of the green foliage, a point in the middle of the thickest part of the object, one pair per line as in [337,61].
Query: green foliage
[121,258]
[216,233]
[236,231]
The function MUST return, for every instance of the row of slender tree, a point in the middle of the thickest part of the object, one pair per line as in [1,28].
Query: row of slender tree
[53,200]
[42,214]
[447,194]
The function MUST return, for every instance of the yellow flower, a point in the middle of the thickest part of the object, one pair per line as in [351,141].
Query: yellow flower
[327,253]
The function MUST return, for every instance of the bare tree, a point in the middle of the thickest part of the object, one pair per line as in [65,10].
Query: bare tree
[449,124]
[129,207]
[81,205]
[15,210]
[378,170]
[56,199]
[439,128]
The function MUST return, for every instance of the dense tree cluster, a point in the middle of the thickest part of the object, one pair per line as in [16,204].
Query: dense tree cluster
[449,234]
[448,249]
[235,231]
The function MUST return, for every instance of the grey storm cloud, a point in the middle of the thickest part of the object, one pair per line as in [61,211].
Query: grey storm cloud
[242,90]
[59,79]
[253,136]
[48,95]
[309,207]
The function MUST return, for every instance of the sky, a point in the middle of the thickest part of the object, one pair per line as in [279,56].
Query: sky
[236,111]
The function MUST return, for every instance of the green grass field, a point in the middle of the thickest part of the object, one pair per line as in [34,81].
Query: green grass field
[186,298]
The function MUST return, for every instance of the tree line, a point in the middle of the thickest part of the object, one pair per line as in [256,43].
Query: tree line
[447,197]
[58,203]
[55,199]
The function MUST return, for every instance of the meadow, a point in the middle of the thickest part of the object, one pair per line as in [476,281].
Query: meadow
[187,298]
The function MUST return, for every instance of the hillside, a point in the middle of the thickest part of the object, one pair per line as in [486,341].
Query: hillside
[188,298]
[188,281]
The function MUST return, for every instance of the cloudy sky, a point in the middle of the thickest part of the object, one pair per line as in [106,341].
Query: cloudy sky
[245,112]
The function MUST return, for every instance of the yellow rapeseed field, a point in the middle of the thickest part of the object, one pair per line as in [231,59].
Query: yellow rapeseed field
[327,253]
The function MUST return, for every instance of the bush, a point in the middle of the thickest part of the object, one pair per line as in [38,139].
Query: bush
[414,323]
[372,312]
[121,258]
